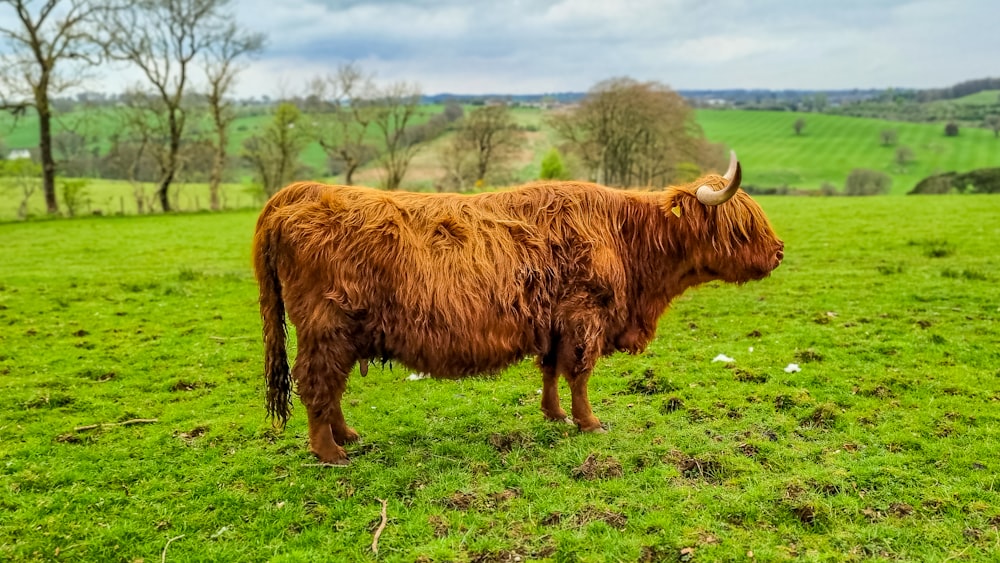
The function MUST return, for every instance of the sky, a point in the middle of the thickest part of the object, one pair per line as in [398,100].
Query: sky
[522,47]
[515,46]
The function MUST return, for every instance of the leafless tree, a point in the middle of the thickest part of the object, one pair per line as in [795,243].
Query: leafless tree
[393,109]
[629,133]
[491,135]
[135,146]
[274,154]
[163,39]
[221,68]
[50,45]
[345,117]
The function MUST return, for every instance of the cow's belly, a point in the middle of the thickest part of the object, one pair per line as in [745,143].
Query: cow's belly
[460,348]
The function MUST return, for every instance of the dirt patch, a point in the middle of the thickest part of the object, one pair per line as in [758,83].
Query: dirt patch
[68,438]
[439,524]
[505,443]
[823,416]
[900,509]
[805,513]
[502,556]
[590,514]
[879,392]
[746,376]
[466,501]
[182,385]
[705,468]
[552,519]
[673,404]
[808,355]
[460,501]
[749,450]
[594,468]
[81,333]
[193,433]
[649,384]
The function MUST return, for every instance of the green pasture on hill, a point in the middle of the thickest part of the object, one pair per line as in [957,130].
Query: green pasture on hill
[831,146]
[133,425]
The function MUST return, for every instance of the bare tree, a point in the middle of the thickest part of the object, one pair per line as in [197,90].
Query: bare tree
[48,50]
[221,69]
[134,149]
[393,109]
[491,135]
[629,133]
[163,38]
[345,117]
[274,154]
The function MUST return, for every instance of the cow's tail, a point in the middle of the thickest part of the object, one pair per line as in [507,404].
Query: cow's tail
[272,313]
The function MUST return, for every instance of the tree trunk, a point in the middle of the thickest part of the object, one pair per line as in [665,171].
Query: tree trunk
[218,164]
[168,175]
[45,148]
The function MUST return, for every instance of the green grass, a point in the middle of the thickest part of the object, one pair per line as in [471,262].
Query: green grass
[831,146]
[986,97]
[883,447]
[116,197]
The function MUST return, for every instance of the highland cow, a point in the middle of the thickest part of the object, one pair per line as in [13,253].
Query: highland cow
[455,285]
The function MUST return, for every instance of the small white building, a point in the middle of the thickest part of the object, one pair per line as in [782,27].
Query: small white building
[15,154]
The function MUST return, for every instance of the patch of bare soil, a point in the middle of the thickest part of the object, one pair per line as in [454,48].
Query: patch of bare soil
[594,468]
[505,443]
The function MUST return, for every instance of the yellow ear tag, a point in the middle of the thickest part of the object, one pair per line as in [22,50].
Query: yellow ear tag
[676,210]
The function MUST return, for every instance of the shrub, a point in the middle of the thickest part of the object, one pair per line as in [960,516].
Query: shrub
[553,167]
[862,181]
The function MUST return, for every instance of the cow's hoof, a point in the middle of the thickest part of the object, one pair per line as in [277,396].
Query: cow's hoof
[348,436]
[557,417]
[336,456]
[593,427]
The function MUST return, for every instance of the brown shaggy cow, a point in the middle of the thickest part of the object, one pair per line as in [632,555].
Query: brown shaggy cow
[455,285]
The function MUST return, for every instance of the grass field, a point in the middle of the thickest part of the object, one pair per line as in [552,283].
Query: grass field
[831,146]
[883,447]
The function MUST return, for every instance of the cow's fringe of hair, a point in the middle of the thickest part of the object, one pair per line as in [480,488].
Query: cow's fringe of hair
[729,225]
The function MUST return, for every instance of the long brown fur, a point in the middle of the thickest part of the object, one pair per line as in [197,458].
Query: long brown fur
[455,285]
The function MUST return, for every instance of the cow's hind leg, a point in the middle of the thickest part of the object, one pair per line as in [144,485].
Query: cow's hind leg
[582,415]
[576,359]
[320,371]
[550,389]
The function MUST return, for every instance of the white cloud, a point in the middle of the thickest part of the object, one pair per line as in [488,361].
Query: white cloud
[521,46]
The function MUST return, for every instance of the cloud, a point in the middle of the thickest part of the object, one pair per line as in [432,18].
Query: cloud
[517,46]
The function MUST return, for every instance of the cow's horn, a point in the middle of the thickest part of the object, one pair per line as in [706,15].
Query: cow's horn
[733,176]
